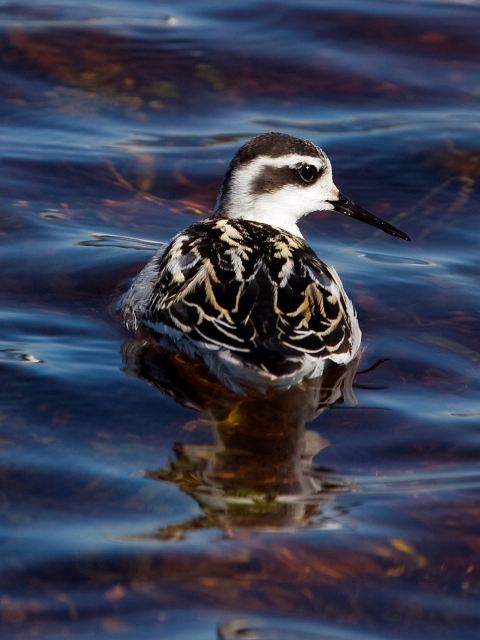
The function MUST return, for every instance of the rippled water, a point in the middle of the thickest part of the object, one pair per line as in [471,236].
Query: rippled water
[140,499]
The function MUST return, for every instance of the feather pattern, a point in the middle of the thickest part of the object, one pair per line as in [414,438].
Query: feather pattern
[252,294]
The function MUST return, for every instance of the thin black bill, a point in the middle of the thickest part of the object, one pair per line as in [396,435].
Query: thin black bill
[345,206]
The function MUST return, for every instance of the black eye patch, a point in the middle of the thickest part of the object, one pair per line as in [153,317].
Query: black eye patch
[271,179]
[308,173]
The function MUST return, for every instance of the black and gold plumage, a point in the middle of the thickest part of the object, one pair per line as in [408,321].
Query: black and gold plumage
[258,292]
[243,290]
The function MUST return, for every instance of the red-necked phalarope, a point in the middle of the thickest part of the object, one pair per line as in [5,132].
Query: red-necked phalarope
[242,290]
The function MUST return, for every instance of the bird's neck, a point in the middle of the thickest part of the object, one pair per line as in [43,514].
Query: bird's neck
[255,216]
[263,210]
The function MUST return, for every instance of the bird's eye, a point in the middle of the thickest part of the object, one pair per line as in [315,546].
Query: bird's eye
[308,172]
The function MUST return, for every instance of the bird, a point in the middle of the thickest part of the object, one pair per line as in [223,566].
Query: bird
[242,290]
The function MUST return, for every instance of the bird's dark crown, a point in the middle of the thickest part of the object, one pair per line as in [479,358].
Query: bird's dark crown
[274,145]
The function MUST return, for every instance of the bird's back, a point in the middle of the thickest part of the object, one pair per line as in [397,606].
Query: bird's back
[248,295]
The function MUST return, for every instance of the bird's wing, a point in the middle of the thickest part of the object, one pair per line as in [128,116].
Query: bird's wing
[206,287]
[264,296]
[315,315]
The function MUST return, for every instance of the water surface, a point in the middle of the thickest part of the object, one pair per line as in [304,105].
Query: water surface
[138,498]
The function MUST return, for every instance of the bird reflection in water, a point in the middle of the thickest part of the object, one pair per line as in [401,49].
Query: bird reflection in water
[258,473]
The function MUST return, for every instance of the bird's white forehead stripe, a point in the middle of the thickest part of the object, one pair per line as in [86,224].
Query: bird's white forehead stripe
[245,174]
[288,160]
